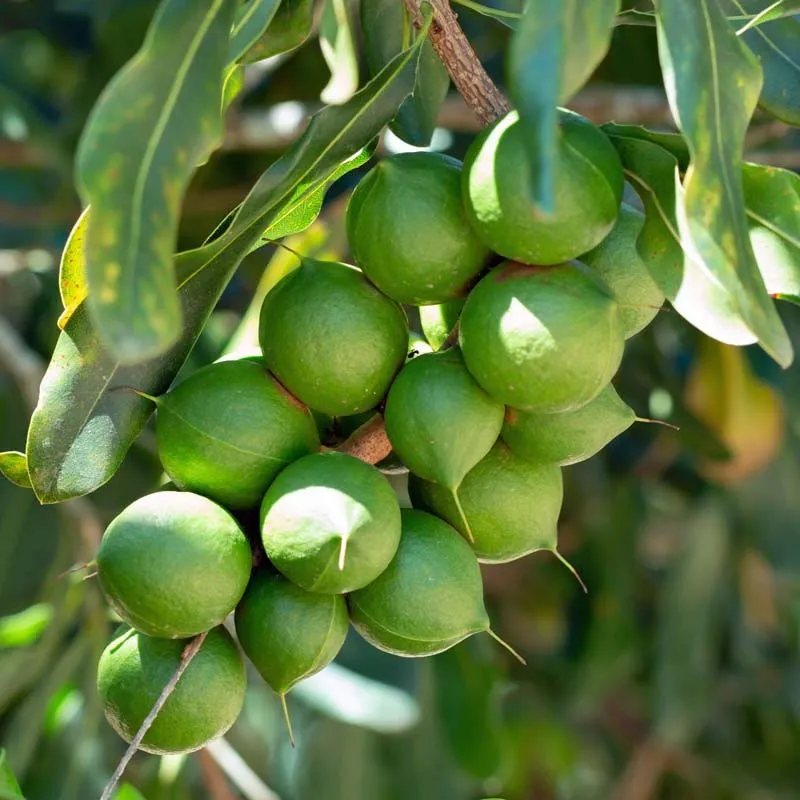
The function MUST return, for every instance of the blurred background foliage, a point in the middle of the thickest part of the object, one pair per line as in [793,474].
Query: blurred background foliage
[676,677]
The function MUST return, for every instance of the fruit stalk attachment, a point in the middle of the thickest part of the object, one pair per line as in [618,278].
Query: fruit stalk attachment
[189,652]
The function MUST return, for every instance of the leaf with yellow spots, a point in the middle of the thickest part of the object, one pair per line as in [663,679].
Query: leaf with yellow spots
[713,83]
[156,120]
[72,270]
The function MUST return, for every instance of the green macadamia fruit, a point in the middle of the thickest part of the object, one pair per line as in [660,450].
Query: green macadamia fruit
[133,671]
[173,564]
[330,523]
[331,338]
[511,505]
[496,190]
[569,436]
[429,598]
[408,229]
[541,339]
[228,429]
[617,261]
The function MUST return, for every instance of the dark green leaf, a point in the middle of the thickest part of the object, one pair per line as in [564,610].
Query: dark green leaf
[386,32]
[14,467]
[251,21]
[85,421]
[468,689]
[776,43]
[508,18]
[673,143]
[337,42]
[289,28]
[689,625]
[9,788]
[772,197]
[554,50]
[713,82]
[696,296]
[157,119]
[72,271]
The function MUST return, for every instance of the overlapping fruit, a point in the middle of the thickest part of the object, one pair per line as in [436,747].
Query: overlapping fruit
[483,423]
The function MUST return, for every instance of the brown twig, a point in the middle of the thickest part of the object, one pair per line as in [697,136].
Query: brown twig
[189,652]
[453,48]
[214,778]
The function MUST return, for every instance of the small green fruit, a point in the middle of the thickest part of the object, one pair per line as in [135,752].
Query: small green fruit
[438,321]
[496,189]
[408,230]
[439,420]
[332,338]
[429,598]
[330,523]
[173,564]
[541,339]
[228,429]
[133,671]
[617,262]
[571,436]
[511,505]
[288,633]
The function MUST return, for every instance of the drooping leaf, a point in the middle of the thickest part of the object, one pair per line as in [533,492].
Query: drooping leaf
[468,693]
[693,292]
[386,31]
[289,28]
[9,788]
[689,626]
[157,119]
[554,50]
[338,45]
[772,197]
[72,270]
[776,43]
[85,423]
[712,84]
[251,21]
[14,467]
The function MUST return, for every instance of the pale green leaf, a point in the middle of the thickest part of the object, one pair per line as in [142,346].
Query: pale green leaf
[338,46]
[14,467]
[72,270]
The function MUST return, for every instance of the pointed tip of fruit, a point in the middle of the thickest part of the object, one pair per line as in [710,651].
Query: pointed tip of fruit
[287,718]
[342,553]
[650,421]
[507,647]
[572,569]
[464,520]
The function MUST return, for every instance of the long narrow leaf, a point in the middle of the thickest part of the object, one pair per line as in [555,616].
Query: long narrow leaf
[157,119]
[338,44]
[252,20]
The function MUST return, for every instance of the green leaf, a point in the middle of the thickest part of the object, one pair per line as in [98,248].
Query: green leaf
[156,120]
[553,52]
[468,687]
[690,622]
[337,42]
[776,44]
[9,788]
[387,30]
[712,83]
[72,270]
[251,21]
[289,28]
[508,18]
[84,423]
[772,197]
[25,627]
[693,292]
[14,467]
[128,792]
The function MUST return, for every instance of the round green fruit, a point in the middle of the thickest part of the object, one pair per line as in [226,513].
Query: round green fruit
[228,429]
[438,321]
[287,632]
[541,339]
[332,338]
[330,523]
[134,669]
[439,420]
[429,598]
[496,189]
[173,564]
[511,505]
[571,436]
[408,230]
[617,262]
